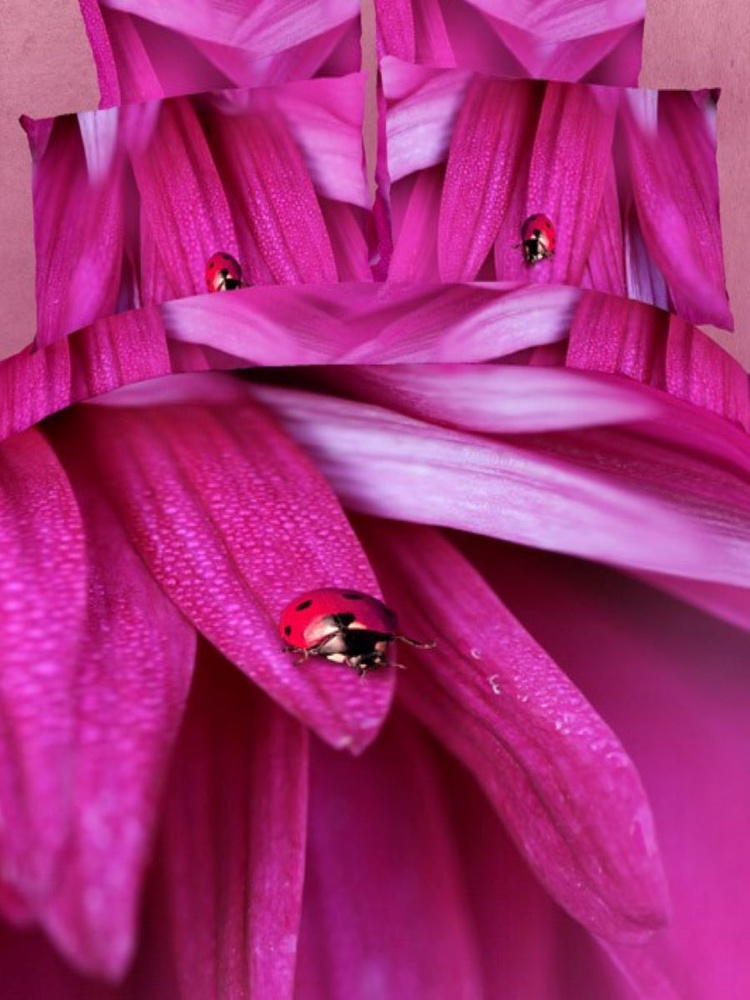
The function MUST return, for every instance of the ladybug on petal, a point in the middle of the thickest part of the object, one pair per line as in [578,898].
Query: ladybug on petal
[538,239]
[223,273]
[343,626]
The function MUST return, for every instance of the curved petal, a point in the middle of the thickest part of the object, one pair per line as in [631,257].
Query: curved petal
[42,608]
[384,913]
[529,946]
[273,199]
[675,186]
[233,521]
[629,338]
[127,693]
[78,252]
[569,167]
[231,859]
[182,198]
[677,691]
[494,399]
[592,496]
[490,145]
[570,797]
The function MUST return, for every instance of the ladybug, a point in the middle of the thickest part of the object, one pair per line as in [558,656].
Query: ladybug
[538,239]
[223,273]
[343,626]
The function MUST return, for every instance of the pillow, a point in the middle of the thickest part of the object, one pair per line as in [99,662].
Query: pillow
[131,203]
[625,179]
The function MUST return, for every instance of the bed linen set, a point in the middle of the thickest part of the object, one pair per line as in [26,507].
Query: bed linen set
[424,333]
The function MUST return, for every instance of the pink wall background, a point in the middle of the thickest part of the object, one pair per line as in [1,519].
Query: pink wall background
[46,69]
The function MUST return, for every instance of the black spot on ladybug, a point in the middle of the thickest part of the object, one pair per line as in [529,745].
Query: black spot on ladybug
[288,630]
[350,596]
[341,621]
[303,606]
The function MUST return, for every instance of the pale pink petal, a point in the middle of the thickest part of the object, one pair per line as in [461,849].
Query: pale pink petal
[591,495]
[676,689]
[672,148]
[42,608]
[234,522]
[423,105]
[569,167]
[272,198]
[385,914]
[78,252]
[564,20]
[232,853]
[132,671]
[347,227]
[569,796]
[489,146]
[494,399]
[325,119]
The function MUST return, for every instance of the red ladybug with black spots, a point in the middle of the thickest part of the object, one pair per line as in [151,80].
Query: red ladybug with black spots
[538,239]
[342,626]
[223,273]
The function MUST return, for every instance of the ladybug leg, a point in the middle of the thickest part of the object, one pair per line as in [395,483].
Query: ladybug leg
[415,642]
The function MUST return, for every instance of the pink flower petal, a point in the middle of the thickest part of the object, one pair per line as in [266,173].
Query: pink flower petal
[605,266]
[127,692]
[414,255]
[488,148]
[234,522]
[676,689]
[78,253]
[42,608]
[611,335]
[423,105]
[149,49]
[231,861]
[570,797]
[569,167]
[494,399]
[530,947]
[384,914]
[183,198]
[674,179]
[561,39]
[591,495]
[273,199]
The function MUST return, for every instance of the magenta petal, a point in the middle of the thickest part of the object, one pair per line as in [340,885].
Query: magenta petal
[273,199]
[569,795]
[232,853]
[590,496]
[488,148]
[672,148]
[78,252]
[677,691]
[385,913]
[182,199]
[568,170]
[234,522]
[609,334]
[42,608]
[133,668]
